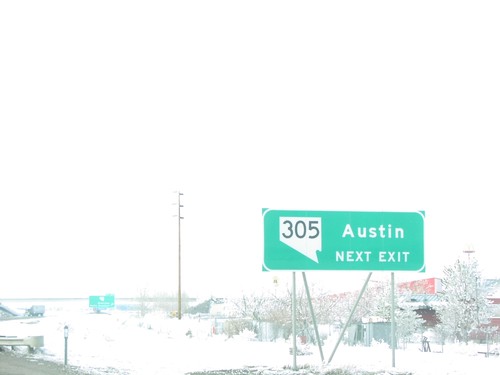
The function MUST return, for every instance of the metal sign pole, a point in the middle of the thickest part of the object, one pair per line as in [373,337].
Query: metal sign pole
[294,318]
[393,322]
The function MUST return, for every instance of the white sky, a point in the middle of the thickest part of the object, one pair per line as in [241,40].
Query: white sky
[107,108]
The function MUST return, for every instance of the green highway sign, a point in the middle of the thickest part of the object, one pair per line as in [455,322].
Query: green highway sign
[102,302]
[343,240]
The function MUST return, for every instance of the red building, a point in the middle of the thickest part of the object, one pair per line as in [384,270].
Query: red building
[425,286]
[424,296]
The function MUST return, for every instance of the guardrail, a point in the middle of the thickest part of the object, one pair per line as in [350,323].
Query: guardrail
[30,341]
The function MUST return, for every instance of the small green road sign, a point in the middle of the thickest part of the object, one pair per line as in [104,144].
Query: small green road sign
[102,302]
[342,240]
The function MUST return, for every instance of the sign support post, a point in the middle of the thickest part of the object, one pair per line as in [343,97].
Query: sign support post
[294,319]
[393,322]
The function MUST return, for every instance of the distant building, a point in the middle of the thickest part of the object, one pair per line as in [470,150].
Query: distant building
[490,331]
[423,296]
[424,286]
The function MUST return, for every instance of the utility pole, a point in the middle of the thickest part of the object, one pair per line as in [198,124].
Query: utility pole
[179,218]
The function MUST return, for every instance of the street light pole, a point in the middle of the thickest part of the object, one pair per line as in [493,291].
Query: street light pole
[179,298]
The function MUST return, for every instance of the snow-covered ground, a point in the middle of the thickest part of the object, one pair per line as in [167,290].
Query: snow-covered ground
[122,343]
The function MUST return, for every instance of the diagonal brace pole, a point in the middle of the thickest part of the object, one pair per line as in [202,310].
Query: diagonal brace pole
[316,332]
[350,316]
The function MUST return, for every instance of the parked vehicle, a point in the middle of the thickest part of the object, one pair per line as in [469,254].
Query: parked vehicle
[36,310]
